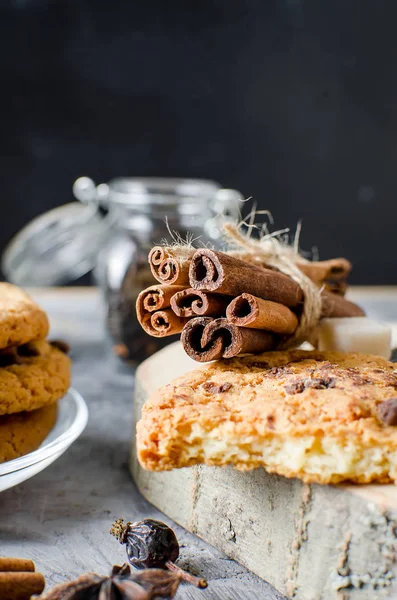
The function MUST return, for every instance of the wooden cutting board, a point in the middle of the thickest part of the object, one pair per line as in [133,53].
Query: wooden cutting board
[310,542]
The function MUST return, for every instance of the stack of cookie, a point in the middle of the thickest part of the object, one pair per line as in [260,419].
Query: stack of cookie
[34,374]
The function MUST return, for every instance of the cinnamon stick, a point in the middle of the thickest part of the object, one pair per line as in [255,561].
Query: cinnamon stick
[16,564]
[249,311]
[336,306]
[168,269]
[156,297]
[221,273]
[336,287]
[20,585]
[190,303]
[320,271]
[162,323]
[158,323]
[206,339]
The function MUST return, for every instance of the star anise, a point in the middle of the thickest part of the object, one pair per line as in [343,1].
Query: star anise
[149,584]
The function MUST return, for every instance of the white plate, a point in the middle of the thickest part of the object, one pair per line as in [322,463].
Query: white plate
[71,421]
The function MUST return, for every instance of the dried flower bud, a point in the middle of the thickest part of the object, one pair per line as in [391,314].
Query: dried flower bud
[149,543]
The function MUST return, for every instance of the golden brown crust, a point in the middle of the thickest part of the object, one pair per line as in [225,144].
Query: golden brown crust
[24,432]
[21,319]
[36,382]
[302,414]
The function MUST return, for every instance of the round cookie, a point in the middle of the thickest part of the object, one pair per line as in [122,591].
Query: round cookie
[32,376]
[21,319]
[24,432]
[323,417]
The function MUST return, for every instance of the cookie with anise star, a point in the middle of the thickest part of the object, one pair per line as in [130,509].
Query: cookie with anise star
[323,417]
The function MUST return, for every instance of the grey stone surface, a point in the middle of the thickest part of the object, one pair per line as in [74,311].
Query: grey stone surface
[61,517]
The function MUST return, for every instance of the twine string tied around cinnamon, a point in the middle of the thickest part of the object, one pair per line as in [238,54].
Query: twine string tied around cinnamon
[272,252]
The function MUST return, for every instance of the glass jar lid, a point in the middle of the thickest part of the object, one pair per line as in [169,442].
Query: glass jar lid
[63,244]
[55,248]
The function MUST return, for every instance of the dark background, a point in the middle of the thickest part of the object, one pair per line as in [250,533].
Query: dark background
[291,102]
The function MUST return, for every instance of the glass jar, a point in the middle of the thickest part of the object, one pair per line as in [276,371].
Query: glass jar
[110,231]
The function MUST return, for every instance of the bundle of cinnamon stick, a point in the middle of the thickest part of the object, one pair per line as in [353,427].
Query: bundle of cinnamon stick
[224,305]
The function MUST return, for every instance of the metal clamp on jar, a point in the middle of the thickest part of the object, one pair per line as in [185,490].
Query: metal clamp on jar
[110,232]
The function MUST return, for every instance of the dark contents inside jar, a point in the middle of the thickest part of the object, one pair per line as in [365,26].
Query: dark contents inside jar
[130,341]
